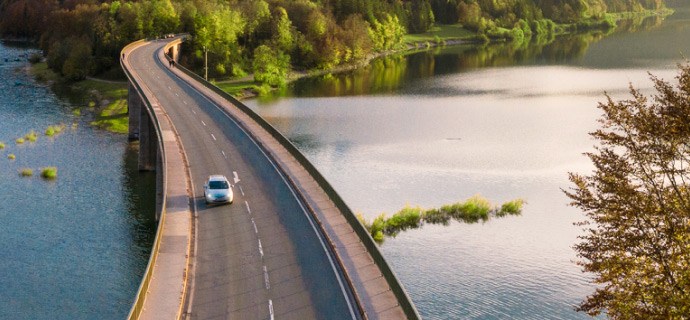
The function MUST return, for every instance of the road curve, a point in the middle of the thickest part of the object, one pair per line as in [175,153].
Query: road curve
[261,257]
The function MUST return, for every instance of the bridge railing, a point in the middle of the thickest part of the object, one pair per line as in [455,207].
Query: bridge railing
[138,304]
[403,299]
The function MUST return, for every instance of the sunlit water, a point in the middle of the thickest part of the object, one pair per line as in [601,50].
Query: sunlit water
[76,247]
[436,127]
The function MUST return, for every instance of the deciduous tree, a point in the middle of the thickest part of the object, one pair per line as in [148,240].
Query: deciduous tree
[637,203]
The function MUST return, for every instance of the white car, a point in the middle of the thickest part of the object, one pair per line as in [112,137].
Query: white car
[217,190]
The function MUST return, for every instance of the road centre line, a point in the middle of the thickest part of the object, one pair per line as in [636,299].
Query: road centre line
[214,137]
[268,284]
[204,123]
[224,156]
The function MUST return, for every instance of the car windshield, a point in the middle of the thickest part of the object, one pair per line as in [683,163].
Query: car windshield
[218,185]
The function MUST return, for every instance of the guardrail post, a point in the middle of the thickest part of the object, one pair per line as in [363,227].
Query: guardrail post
[134,110]
[148,144]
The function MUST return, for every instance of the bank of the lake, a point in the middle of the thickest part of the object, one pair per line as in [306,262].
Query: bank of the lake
[74,247]
[440,125]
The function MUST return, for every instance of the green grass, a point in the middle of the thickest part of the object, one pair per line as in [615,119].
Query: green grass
[26,172]
[11,157]
[49,173]
[472,210]
[19,141]
[43,73]
[440,33]
[110,91]
[114,117]
[237,88]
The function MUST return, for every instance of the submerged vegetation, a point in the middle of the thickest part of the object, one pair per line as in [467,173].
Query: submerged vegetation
[473,210]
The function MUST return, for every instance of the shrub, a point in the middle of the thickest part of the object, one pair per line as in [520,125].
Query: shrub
[513,208]
[11,157]
[49,173]
[50,131]
[19,141]
[2,145]
[26,172]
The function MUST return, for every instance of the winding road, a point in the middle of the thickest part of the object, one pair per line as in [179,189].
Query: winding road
[263,256]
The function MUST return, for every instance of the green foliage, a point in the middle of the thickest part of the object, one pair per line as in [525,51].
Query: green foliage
[2,146]
[637,237]
[26,172]
[49,173]
[270,66]
[11,156]
[19,141]
[473,210]
[31,136]
[50,131]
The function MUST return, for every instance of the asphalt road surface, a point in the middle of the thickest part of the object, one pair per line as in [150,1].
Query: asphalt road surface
[260,257]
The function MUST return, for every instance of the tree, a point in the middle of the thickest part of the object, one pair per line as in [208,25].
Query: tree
[270,66]
[637,201]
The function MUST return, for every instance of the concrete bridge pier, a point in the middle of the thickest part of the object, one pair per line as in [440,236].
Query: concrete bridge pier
[148,142]
[134,110]
[174,52]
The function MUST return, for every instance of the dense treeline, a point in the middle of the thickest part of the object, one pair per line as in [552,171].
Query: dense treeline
[82,37]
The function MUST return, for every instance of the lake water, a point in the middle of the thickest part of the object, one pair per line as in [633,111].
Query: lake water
[75,247]
[506,121]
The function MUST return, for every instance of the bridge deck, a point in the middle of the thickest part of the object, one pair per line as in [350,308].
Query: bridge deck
[230,277]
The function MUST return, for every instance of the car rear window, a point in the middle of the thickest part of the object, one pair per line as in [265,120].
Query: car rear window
[218,185]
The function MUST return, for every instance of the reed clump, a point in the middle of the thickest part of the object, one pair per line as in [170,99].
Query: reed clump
[49,173]
[31,136]
[472,210]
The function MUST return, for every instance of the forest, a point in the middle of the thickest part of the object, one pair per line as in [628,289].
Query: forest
[269,37]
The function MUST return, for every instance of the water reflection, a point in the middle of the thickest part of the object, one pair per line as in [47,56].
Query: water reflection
[391,73]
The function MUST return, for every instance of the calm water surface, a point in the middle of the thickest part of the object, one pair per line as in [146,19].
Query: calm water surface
[76,247]
[439,126]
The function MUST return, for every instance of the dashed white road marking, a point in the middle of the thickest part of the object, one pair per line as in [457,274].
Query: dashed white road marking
[268,284]
[169,88]
[255,229]
[237,179]
[261,249]
[270,308]
[247,203]
[214,137]
[177,94]
[185,102]
[194,112]
[241,190]
[224,156]
[204,123]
